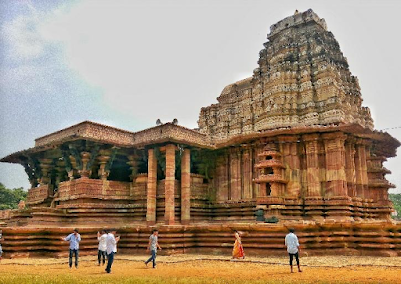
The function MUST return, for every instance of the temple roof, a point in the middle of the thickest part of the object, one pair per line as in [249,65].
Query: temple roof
[96,132]
[295,20]
[170,132]
[303,79]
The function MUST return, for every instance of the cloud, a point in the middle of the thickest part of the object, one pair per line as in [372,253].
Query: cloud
[22,36]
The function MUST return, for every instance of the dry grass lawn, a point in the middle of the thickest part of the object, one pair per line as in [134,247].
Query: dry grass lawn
[204,269]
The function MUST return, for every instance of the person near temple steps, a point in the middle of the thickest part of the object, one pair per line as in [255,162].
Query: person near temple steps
[102,238]
[153,246]
[74,238]
[291,241]
[1,249]
[238,250]
[111,248]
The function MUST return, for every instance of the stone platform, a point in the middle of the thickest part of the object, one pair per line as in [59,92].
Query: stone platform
[259,239]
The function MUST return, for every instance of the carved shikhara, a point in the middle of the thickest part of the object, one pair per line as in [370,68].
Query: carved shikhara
[292,142]
[302,80]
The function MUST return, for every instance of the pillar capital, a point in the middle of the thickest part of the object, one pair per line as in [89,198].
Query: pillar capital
[361,141]
[85,158]
[45,165]
[310,137]
[103,159]
[133,163]
[288,139]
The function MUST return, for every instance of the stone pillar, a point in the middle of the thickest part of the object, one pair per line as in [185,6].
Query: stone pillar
[60,172]
[255,173]
[292,163]
[235,174]
[151,188]
[169,213]
[134,171]
[222,178]
[361,169]
[247,173]
[104,157]
[45,165]
[186,187]
[312,164]
[350,167]
[133,163]
[85,172]
[336,182]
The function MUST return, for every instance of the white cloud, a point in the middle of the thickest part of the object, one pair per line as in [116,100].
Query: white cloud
[22,36]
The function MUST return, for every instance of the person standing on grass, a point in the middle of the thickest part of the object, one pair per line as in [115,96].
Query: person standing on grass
[74,238]
[291,241]
[102,238]
[152,247]
[111,248]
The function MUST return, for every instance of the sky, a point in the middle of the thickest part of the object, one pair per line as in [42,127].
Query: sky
[128,63]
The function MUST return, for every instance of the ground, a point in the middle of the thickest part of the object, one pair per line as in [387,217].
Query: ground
[204,269]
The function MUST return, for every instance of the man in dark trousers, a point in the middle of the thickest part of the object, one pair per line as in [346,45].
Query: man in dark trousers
[111,248]
[291,241]
[74,238]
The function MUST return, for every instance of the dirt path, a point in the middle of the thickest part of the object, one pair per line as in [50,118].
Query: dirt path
[173,270]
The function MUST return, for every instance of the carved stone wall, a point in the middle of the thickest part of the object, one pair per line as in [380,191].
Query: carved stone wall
[302,79]
[38,195]
[360,239]
[92,190]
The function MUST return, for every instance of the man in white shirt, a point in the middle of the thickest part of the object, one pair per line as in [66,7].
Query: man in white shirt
[291,241]
[111,248]
[102,238]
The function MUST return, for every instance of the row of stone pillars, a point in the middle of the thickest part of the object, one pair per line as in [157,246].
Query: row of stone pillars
[169,213]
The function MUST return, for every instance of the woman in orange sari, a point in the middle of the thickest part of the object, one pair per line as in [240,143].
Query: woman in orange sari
[238,250]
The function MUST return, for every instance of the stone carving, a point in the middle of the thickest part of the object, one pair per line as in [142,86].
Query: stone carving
[291,143]
[302,79]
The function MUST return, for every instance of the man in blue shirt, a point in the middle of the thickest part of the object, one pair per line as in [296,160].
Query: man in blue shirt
[74,238]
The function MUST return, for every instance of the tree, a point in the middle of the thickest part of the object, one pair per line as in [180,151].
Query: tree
[9,198]
[396,199]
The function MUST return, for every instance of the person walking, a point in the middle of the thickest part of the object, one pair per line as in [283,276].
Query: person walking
[111,248]
[153,246]
[292,244]
[74,238]
[102,238]
[238,249]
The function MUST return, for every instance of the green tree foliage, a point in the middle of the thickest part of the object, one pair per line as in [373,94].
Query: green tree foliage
[396,199]
[9,198]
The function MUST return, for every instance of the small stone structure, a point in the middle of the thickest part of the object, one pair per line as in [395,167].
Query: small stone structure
[292,144]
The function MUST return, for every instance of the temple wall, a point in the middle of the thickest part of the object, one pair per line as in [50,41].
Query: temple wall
[336,175]
[38,195]
[88,189]
[314,176]
[375,238]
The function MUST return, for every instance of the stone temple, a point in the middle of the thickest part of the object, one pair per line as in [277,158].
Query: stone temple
[290,146]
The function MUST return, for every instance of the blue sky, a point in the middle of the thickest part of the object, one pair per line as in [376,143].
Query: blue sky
[127,63]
